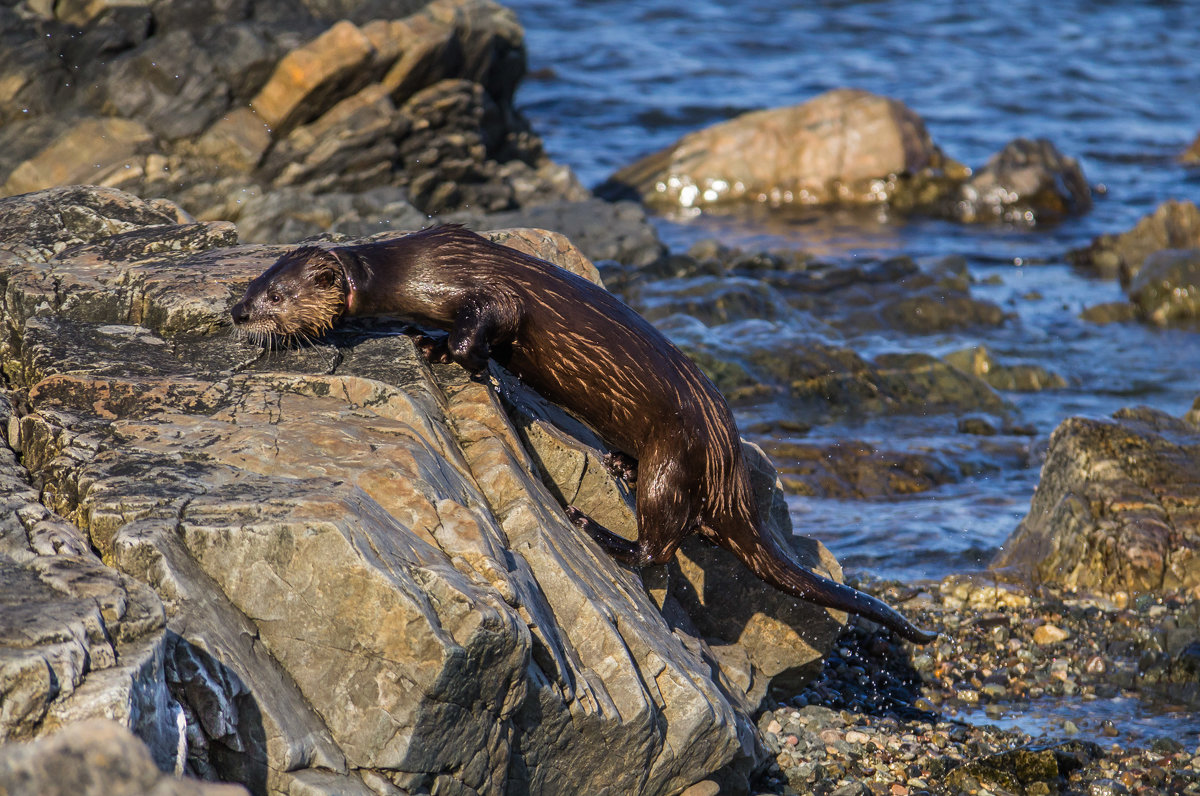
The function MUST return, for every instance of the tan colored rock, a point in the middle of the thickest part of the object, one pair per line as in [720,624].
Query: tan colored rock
[1022,378]
[550,246]
[80,13]
[238,140]
[842,146]
[1049,634]
[424,48]
[90,152]
[350,147]
[311,78]
[1192,153]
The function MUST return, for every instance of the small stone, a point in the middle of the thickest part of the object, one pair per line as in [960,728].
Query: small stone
[1050,634]
[1070,728]
[774,727]
[1108,729]
[704,787]
[1106,787]
[854,736]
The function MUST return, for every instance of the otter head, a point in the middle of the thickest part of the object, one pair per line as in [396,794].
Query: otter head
[302,294]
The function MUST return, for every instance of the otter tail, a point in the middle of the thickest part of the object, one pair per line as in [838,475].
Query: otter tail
[764,556]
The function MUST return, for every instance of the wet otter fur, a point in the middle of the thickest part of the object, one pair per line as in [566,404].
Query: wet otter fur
[579,346]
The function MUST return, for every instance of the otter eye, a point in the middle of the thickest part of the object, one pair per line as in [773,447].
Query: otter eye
[274,298]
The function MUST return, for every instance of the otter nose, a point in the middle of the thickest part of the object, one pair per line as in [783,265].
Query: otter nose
[241,313]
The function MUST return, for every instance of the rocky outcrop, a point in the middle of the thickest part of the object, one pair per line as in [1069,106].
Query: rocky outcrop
[1117,508]
[850,148]
[1173,225]
[401,110]
[749,320]
[334,569]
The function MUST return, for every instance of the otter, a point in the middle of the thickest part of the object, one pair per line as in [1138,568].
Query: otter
[673,434]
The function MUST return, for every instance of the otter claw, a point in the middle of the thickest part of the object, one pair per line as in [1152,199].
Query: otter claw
[622,466]
[433,349]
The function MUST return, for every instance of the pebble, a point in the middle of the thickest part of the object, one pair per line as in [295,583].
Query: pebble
[1049,634]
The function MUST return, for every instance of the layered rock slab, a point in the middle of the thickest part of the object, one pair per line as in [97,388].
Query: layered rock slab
[367,585]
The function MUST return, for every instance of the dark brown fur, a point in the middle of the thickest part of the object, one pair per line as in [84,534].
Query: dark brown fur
[579,346]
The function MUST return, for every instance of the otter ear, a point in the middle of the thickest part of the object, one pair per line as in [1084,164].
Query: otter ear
[327,277]
[325,270]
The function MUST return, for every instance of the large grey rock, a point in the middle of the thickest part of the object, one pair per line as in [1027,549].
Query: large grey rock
[367,584]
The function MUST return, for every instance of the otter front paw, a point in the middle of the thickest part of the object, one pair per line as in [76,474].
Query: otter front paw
[434,349]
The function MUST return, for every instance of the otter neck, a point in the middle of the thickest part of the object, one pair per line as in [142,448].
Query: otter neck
[357,273]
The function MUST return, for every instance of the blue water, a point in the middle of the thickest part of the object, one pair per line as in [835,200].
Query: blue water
[1115,85]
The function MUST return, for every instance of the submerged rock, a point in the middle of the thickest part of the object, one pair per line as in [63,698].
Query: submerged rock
[1167,288]
[819,380]
[1117,508]
[366,583]
[1018,378]
[1173,225]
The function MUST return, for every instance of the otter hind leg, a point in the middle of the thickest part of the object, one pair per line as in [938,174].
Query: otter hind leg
[617,546]
[665,517]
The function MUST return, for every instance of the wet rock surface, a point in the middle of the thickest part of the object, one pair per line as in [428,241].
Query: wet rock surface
[776,326]
[1166,290]
[1173,225]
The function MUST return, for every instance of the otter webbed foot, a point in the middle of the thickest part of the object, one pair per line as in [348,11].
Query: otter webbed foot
[434,349]
[622,466]
[617,546]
